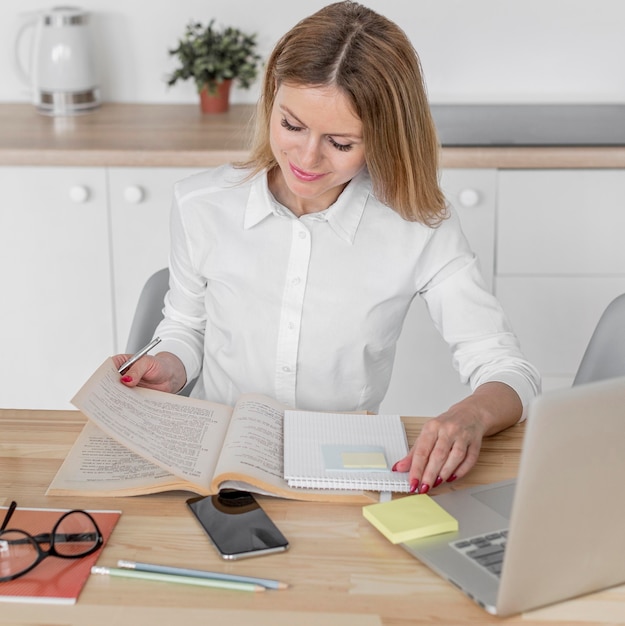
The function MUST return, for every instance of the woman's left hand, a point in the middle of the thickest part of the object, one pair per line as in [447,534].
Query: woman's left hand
[449,445]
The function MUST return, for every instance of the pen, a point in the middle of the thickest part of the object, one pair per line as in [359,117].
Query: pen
[136,357]
[182,580]
[183,571]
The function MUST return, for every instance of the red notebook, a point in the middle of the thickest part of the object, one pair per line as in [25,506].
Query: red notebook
[54,580]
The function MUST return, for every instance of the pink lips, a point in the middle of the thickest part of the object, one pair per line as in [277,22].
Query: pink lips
[304,176]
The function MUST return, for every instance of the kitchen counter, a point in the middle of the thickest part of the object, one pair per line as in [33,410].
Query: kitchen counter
[143,135]
[159,135]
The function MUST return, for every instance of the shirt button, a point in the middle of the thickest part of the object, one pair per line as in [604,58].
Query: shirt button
[296,281]
[286,369]
[302,234]
[291,326]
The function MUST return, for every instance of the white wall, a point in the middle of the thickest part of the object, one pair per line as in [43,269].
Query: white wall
[471,50]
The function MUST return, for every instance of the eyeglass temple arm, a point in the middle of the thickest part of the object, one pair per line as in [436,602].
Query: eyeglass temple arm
[58,538]
[8,515]
[64,537]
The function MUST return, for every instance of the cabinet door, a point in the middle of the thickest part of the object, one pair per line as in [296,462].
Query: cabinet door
[57,322]
[555,316]
[140,200]
[424,381]
[560,260]
[561,222]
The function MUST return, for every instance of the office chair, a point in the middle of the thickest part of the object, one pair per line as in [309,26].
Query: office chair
[605,354]
[148,314]
[149,311]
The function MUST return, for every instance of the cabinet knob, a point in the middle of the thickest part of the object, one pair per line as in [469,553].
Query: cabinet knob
[79,194]
[469,197]
[134,194]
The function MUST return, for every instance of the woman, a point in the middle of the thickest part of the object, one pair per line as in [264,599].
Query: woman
[291,274]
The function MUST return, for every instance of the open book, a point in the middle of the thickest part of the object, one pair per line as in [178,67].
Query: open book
[140,441]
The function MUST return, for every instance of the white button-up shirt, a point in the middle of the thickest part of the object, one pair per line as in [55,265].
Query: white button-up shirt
[308,310]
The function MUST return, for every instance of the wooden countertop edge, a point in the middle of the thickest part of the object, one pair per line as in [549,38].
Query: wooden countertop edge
[120,158]
[451,158]
[533,157]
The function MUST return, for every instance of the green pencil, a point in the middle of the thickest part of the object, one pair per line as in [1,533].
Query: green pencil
[184,571]
[181,580]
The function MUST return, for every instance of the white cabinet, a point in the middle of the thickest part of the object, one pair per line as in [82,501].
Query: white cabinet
[77,245]
[560,260]
[140,201]
[424,381]
[56,323]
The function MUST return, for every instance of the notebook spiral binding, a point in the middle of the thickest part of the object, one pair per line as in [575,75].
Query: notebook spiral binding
[401,485]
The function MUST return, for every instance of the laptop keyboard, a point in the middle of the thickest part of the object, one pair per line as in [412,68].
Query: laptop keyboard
[486,550]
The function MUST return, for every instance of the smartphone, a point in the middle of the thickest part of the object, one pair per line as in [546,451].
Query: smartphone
[236,524]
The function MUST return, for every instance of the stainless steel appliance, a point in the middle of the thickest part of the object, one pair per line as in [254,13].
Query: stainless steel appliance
[530,124]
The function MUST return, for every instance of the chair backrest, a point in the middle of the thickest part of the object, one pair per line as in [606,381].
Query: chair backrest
[149,311]
[148,316]
[605,354]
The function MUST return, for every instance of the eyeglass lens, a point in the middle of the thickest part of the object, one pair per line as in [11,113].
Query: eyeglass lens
[74,535]
[18,552]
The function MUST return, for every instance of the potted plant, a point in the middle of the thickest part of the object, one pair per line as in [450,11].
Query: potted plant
[213,58]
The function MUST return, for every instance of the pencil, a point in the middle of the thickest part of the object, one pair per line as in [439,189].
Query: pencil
[183,571]
[182,580]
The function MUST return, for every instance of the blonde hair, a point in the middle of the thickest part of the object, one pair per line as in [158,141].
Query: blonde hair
[372,61]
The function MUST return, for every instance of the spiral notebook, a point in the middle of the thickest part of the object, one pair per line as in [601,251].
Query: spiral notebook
[344,451]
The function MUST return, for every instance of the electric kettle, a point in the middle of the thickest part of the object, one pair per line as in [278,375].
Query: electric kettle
[60,70]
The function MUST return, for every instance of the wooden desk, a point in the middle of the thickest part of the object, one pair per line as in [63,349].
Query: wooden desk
[341,570]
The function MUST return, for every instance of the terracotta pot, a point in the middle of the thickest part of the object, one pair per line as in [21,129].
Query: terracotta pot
[218,102]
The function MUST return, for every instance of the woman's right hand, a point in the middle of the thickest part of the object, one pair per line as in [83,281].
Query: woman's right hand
[163,371]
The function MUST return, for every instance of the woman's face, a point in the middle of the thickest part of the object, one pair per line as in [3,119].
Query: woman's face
[317,142]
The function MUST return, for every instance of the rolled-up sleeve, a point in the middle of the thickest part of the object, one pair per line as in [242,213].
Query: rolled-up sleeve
[483,344]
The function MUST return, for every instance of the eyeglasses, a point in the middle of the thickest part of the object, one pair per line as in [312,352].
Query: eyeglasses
[74,535]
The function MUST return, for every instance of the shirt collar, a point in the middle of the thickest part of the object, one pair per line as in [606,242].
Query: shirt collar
[260,203]
[343,216]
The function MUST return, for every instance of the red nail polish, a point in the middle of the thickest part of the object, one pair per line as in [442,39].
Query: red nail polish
[438,481]
[424,488]
[414,484]
[452,478]
[394,468]
[126,379]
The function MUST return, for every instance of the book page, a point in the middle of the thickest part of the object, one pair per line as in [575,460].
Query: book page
[182,435]
[253,445]
[252,456]
[100,465]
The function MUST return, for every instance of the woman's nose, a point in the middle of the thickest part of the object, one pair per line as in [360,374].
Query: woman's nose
[310,153]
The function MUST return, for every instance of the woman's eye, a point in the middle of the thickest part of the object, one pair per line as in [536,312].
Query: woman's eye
[340,146]
[285,124]
[335,144]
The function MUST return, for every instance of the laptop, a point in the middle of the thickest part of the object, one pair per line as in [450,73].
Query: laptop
[555,532]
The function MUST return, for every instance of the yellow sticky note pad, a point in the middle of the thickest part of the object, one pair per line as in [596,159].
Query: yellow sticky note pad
[364,460]
[410,517]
